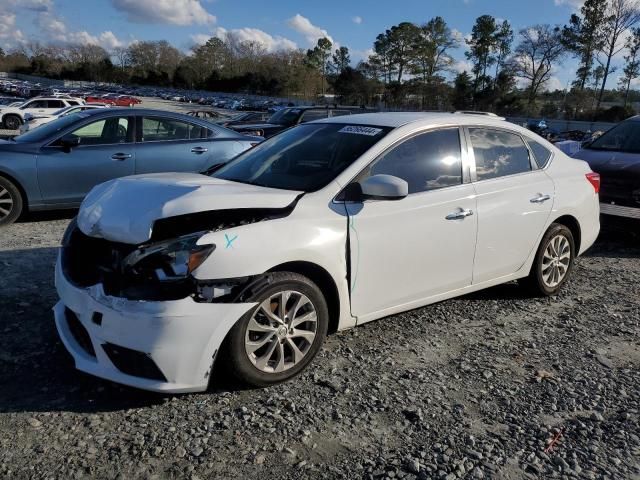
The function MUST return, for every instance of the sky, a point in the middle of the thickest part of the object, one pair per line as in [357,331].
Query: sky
[277,24]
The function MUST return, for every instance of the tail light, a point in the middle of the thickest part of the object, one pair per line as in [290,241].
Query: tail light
[594,180]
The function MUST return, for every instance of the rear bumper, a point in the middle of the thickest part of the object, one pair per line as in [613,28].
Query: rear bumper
[180,338]
[619,211]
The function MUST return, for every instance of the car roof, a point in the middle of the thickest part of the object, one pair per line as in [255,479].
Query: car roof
[399,119]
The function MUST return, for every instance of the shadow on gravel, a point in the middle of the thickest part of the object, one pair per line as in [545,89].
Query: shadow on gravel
[619,238]
[47,216]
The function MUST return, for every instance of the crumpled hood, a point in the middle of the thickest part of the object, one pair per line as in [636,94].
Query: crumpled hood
[124,210]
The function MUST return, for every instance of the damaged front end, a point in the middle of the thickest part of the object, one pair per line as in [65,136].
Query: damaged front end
[161,268]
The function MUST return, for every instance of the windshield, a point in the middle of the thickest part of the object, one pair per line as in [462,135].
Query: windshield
[48,129]
[287,116]
[624,137]
[62,110]
[304,158]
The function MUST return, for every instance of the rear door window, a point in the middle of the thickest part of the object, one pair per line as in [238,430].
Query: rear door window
[498,153]
[158,129]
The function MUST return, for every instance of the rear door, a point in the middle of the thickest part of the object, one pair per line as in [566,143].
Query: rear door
[106,151]
[515,199]
[167,144]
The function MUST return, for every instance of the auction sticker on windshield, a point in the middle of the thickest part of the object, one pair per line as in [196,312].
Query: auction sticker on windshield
[360,130]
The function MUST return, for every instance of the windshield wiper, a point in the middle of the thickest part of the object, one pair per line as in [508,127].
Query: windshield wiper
[214,168]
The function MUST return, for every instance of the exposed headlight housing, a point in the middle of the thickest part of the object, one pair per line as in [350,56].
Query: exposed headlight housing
[170,260]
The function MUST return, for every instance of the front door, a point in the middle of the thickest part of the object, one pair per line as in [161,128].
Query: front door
[106,151]
[515,199]
[405,251]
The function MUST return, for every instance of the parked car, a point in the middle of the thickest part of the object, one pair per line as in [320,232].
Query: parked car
[55,165]
[34,121]
[288,117]
[208,115]
[114,100]
[615,155]
[324,226]
[245,119]
[12,117]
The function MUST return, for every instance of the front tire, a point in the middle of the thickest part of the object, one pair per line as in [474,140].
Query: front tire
[12,122]
[10,202]
[276,340]
[553,263]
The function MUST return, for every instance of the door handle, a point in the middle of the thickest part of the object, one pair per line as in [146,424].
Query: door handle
[459,215]
[120,156]
[199,150]
[540,199]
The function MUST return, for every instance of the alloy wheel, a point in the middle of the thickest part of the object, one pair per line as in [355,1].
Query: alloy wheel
[281,331]
[555,261]
[6,203]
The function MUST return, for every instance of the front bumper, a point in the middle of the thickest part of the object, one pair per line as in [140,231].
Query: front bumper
[180,337]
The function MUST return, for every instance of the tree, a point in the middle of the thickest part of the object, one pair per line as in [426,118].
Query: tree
[401,39]
[583,35]
[318,58]
[539,48]
[341,60]
[462,98]
[632,63]
[381,60]
[503,39]
[430,56]
[481,48]
[621,16]
[121,54]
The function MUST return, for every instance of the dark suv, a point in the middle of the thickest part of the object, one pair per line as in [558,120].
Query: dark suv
[616,157]
[288,117]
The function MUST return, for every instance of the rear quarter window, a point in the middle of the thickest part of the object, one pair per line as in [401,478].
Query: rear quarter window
[541,154]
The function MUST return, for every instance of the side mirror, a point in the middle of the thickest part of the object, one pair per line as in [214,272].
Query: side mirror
[68,142]
[384,187]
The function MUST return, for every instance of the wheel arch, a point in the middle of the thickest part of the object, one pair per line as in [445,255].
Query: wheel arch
[18,185]
[325,282]
[573,225]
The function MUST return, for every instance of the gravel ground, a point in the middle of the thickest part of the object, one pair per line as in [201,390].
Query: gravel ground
[491,385]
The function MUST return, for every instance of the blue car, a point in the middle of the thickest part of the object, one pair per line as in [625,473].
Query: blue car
[57,164]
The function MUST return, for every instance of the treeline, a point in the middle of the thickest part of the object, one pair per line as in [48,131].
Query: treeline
[412,65]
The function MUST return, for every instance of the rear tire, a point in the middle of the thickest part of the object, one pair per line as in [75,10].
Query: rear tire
[10,202]
[12,122]
[553,263]
[276,340]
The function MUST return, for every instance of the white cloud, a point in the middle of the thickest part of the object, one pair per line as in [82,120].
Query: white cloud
[553,84]
[175,12]
[574,4]
[55,29]
[311,32]
[34,5]
[200,38]
[9,34]
[269,42]
[357,20]
[463,66]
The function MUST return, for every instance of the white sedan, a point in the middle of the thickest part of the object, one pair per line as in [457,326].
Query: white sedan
[32,121]
[323,227]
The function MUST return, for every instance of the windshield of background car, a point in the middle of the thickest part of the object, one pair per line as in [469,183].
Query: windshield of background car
[305,158]
[48,129]
[621,138]
[288,116]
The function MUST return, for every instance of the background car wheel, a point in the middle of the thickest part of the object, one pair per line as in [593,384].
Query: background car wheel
[10,202]
[12,122]
[276,340]
[553,263]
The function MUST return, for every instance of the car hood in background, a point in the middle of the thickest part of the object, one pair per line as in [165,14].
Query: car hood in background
[257,126]
[124,210]
[603,161]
